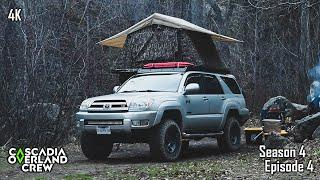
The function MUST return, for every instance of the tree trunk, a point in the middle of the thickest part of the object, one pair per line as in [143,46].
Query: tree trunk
[318,34]
[305,53]
[255,58]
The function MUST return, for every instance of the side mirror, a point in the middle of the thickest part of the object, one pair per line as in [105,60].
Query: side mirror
[115,89]
[192,88]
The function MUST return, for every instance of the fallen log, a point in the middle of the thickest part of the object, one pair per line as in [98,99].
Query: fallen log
[316,133]
[299,112]
[305,127]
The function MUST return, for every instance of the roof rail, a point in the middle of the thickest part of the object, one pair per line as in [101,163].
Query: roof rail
[144,70]
[119,71]
[184,69]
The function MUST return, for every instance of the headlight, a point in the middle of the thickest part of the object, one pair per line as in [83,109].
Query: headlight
[85,104]
[140,104]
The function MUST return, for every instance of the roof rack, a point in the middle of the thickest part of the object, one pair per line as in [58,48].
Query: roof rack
[144,70]
[167,65]
[184,69]
[119,71]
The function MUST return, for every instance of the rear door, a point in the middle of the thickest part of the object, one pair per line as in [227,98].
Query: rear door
[197,105]
[214,93]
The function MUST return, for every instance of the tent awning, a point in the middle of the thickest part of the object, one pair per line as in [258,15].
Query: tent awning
[119,39]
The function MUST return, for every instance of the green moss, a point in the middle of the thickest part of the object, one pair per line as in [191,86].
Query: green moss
[111,174]
[4,165]
[202,169]
[40,178]
[316,152]
[78,177]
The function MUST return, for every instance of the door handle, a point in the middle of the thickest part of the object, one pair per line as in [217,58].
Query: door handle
[222,98]
[205,99]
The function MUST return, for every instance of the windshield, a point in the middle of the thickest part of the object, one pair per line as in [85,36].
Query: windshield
[152,83]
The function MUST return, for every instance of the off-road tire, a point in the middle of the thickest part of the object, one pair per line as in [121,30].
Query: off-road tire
[96,147]
[165,142]
[231,138]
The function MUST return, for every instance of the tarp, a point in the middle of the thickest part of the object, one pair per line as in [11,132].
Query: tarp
[119,39]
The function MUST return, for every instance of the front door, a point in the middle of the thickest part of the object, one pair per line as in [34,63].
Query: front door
[197,106]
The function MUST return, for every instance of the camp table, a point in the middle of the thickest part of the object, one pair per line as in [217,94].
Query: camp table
[255,135]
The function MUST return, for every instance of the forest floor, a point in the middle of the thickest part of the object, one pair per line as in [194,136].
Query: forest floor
[203,160]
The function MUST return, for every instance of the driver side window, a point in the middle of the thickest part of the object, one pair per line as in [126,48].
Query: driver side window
[194,79]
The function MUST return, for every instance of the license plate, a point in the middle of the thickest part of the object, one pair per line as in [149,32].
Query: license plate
[103,130]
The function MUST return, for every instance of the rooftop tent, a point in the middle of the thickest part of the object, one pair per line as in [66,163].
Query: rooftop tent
[119,39]
[160,38]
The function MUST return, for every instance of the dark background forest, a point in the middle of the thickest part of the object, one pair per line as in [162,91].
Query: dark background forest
[50,62]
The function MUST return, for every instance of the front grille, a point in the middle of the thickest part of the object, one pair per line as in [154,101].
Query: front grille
[108,106]
[104,122]
[108,111]
[110,101]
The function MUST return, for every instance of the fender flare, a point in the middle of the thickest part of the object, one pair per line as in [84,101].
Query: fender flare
[168,105]
[229,107]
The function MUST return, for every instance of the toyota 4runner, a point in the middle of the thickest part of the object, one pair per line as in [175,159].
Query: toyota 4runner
[164,107]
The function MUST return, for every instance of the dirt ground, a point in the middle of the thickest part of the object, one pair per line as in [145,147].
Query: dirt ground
[203,160]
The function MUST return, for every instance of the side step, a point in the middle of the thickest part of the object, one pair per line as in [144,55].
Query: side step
[191,136]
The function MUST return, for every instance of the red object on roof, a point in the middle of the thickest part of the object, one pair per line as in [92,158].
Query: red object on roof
[168,65]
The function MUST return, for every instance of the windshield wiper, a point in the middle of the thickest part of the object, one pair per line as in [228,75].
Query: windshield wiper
[129,91]
[142,91]
[148,91]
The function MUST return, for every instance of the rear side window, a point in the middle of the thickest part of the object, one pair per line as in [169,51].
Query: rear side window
[232,84]
[211,85]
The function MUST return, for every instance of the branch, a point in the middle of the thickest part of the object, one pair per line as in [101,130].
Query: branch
[286,48]
[84,12]
[5,145]
[275,6]
[313,4]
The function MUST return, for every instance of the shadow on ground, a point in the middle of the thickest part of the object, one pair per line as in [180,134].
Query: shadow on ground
[139,153]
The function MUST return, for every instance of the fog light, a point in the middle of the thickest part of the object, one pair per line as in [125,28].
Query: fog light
[78,124]
[140,122]
[144,123]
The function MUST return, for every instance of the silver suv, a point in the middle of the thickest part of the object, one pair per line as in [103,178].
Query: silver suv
[164,108]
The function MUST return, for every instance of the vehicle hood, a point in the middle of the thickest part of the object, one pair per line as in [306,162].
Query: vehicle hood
[161,96]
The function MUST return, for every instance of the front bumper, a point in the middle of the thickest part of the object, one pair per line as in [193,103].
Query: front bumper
[127,118]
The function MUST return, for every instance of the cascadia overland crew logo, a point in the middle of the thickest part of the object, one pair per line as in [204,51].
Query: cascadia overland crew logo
[37,159]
